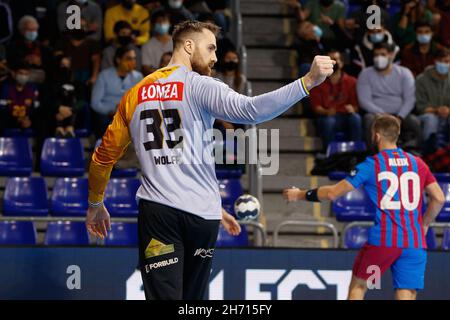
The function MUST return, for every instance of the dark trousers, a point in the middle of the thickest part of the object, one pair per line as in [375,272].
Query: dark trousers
[175,252]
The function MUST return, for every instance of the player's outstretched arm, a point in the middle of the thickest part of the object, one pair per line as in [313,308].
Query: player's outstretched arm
[437,200]
[331,192]
[224,103]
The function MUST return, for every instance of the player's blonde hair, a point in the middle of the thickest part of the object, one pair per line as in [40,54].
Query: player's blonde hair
[186,28]
[388,126]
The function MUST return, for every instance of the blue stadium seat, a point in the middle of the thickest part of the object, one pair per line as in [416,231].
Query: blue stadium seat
[356,237]
[228,174]
[17,233]
[24,133]
[124,173]
[25,196]
[82,133]
[354,206]
[444,215]
[224,239]
[66,233]
[446,239]
[345,146]
[230,190]
[122,234]
[15,157]
[442,177]
[69,198]
[62,158]
[431,239]
[120,197]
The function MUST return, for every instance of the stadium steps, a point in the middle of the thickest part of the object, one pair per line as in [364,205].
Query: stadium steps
[278,31]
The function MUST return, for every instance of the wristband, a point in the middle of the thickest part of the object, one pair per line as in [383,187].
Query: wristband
[95,204]
[312,195]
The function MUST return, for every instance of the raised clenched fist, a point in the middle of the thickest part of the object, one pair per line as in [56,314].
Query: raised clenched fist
[321,68]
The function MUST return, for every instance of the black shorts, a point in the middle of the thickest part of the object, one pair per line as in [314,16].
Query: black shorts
[175,252]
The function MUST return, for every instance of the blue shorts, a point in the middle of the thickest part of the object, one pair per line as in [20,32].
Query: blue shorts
[408,271]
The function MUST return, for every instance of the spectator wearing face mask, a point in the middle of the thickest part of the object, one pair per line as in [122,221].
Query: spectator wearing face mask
[160,42]
[412,12]
[416,57]
[433,98]
[308,45]
[18,99]
[90,11]
[84,55]
[230,73]
[356,24]
[177,11]
[389,88]
[362,54]
[112,84]
[30,50]
[124,37]
[136,15]
[336,105]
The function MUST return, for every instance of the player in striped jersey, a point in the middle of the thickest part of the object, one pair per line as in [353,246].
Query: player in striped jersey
[395,181]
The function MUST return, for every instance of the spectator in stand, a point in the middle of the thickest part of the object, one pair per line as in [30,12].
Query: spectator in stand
[84,56]
[124,37]
[308,45]
[136,15]
[416,57]
[412,12]
[441,10]
[329,15]
[219,10]
[389,88]
[66,105]
[160,42]
[30,50]
[336,104]
[150,5]
[230,72]
[90,11]
[165,59]
[433,99]
[177,11]
[18,99]
[362,54]
[197,7]
[112,84]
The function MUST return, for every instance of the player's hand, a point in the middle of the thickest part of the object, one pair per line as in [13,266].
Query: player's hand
[321,68]
[98,221]
[291,194]
[230,224]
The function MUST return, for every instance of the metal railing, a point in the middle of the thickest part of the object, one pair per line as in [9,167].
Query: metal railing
[302,223]
[371,223]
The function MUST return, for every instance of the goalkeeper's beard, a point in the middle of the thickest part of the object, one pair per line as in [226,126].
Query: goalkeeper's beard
[200,67]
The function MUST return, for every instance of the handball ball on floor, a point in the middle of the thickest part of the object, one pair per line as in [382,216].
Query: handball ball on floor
[247,207]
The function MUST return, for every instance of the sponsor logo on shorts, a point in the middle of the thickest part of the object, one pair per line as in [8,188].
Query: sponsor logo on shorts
[204,253]
[151,266]
[156,248]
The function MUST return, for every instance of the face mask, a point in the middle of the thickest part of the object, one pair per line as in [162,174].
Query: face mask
[22,79]
[124,40]
[162,28]
[424,38]
[128,4]
[442,68]
[318,32]
[377,37]
[381,62]
[175,4]
[230,66]
[31,35]
[336,67]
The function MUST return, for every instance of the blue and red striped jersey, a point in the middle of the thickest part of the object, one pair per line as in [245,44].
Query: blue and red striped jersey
[395,181]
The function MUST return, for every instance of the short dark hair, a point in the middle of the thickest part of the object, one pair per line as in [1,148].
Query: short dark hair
[388,126]
[422,23]
[159,13]
[121,24]
[441,53]
[183,29]
[390,47]
[121,51]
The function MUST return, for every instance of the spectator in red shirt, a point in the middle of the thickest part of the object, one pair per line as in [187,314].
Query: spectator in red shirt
[419,55]
[336,104]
